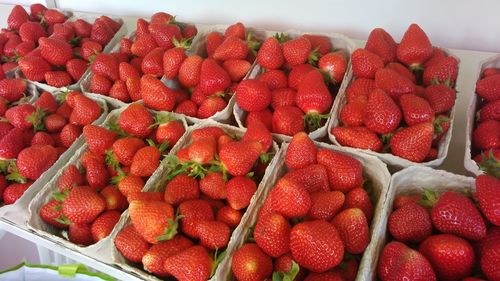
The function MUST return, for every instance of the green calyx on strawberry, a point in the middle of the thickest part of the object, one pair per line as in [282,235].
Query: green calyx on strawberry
[287,276]
[281,37]
[192,168]
[112,161]
[252,43]
[162,118]
[114,127]
[313,120]
[429,198]
[184,43]
[490,165]
[36,118]
[171,230]
[314,57]
[14,174]
[437,125]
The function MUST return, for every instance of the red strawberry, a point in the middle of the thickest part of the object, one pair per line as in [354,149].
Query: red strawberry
[487,88]
[189,31]
[153,62]
[101,32]
[402,70]
[256,130]
[34,67]
[397,261]
[130,186]
[415,48]
[14,191]
[485,136]
[85,110]
[440,97]
[213,78]
[154,259]
[319,42]
[352,114]
[12,89]
[270,54]
[344,172]
[172,60]
[90,49]
[205,132]
[131,244]
[115,200]
[237,29]
[136,120]
[17,17]
[119,91]
[232,48]
[489,260]
[83,205]
[126,71]
[35,160]
[181,188]
[415,109]
[283,97]
[31,31]
[290,199]
[413,143]
[24,116]
[213,40]
[443,71]
[359,87]
[382,44]
[146,160]
[190,70]
[42,138]
[272,234]
[301,152]
[69,133]
[51,213]
[325,204]
[240,191]
[53,16]
[359,198]
[335,65]
[316,245]
[210,106]
[99,84]
[297,73]
[194,211]
[75,68]
[213,185]
[365,63]
[410,223]
[98,139]
[11,144]
[265,116]
[237,69]
[274,79]
[70,178]
[213,234]
[82,28]
[194,264]
[357,137]
[288,120]
[229,216]
[353,229]
[58,79]
[296,51]
[156,95]
[55,51]
[104,224]
[239,157]
[161,17]
[250,263]
[487,196]
[202,150]
[382,114]
[169,130]
[154,220]
[490,111]
[106,65]
[124,149]
[393,83]
[165,34]
[314,99]
[80,234]
[312,177]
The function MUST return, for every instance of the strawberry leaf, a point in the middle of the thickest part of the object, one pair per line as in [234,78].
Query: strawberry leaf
[490,165]
[14,174]
[429,199]
[63,219]
[287,276]
[36,118]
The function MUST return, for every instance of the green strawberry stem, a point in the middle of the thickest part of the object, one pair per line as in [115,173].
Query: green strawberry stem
[287,276]
[313,120]
[36,118]
[429,199]
[313,57]
[162,118]
[119,177]
[218,257]
[60,196]
[14,174]
[184,43]
[490,165]
[437,123]
[62,219]
[114,127]
[111,160]
[252,43]
[281,37]
[171,230]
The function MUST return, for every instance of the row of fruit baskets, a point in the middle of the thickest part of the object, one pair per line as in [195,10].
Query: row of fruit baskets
[199,152]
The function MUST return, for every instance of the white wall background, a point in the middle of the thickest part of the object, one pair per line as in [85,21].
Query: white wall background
[459,24]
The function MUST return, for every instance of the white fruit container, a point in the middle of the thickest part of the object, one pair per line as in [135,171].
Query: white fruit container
[99,250]
[158,181]
[471,165]
[411,180]
[392,160]
[373,169]
[339,42]
[106,49]
[17,212]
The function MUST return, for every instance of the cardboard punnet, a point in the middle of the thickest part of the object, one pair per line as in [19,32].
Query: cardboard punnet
[90,19]
[392,160]
[338,41]
[411,180]
[158,181]
[474,102]
[99,250]
[373,169]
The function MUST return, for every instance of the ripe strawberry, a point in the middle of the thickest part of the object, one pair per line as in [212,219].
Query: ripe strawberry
[99,84]
[69,133]
[237,29]
[440,97]
[487,196]
[11,144]
[85,110]
[23,116]
[76,68]
[194,263]
[90,49]
[172,60]
[14,191]
[130,186]
[359,87]
[335,65]
[101,32]
[106,65]
[53,16]
[213,78]
[410,223]
[329,275]
[189,31]
[98,139]
[202,150]
[240,191]
[297,73]
[70,178]
[353,228]
[402,70]
[359,198]
[314,99]
[272,234]
[115,200]
[34,67]
[12,89]
[490,111]
[283,97]
[104,224]
[124,149]
[236,69]
[80,234]
[146,160]
[165,34]
[365,63]
[161,17]
[489,260]
[257,131]
[296,51]
[210,106]
[265,116]
[437,55]
[290,199]
[194,211]
[119,91]
[154,259]
[213,185]
[190,70]
[136,120]
[270,55]
[153,62]
[415,48]
[393,83]
[485,136]
[229,216]
[157,95]
[213,40]
[58,79]
[301,152]
[352,114]
[397,261]
[82,28]
[316,245]
[357,137]
[51,213]
[181,188]
[413,143]
[487,88]
[131,244]
[250,263]
[239,157]
[33,161]
[154,220]
[97,175]
[42,138]
[312,177]
[382,44]
[319,42]
[83,205]
[213,234]
[382,114]
[55,51]
[288,120]
[31,31]
[126,70]
[444,71]
[232,48]
[415,109]
[17,17]
[344,172]
[325,205]
[274,79]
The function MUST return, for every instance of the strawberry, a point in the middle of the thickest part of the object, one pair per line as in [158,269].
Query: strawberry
[12,89]
[352,114]
[51,213]
[397,261]
[181,188]
[415,48]
[210,106]
[413,143]
[115,200]
[58,79]
[487,88]
[265,116]
[161,17]
[104,224]
[229,216]
[98,139]
[131,244]
[489,259]
[486,195]
[17,17]
[213,185]
[238,29]
[359,198]
[319,42]
[42,138]
[314,99]
[274,79]
[31,31]
[189,31]
[335,65]
[172,60]
[53,16]
[156,95]
[440,97]
[85,110]
[297,73]
[146,160]
[35,160]
[213,234]
[382,115]
[301,152]
[359,87]
[97,175]
[63,31]
[410,223]
[80,234]
[257,131]
[382,44]
[90,50]
[194,264]
[154,220]
[213,40]
[124,149]
[126,70]
[34,67]
[238,158]
[353,228]
[250,263]
[287,120]
[14,191]
[11,144]
[272,234]
[69,133]
[316,245]
[232,48]
[325,204]
[75,68]
[270,55]
[214,132]
[99,84]
[443,71]
[290,198]
[312,177]
[154,259]
[283,97]
[153,62]
[365,63]
[130,186]
[190,70]
[344,172]
[213,78]
[296,51]
[236,69]
[415,109]
[83,205]
[402,70]
[393,83]
[23,116]
[82,28]
[485,136]
[169,130]
[136,120]
[55,51]
[194,211]
[106,65]
[119,91]
[490,111]
[101,32]
[165,34]
[70,178]
[480,158]
[357,137]
[202,150]
[240,191]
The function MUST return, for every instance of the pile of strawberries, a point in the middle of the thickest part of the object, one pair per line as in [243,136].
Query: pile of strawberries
[61,58]
[211,183]
[445,237]
[33,136]
[401,99]
[115,168]
[294,92]
[24,30]
[118,74]
[486,135]
[314,216]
